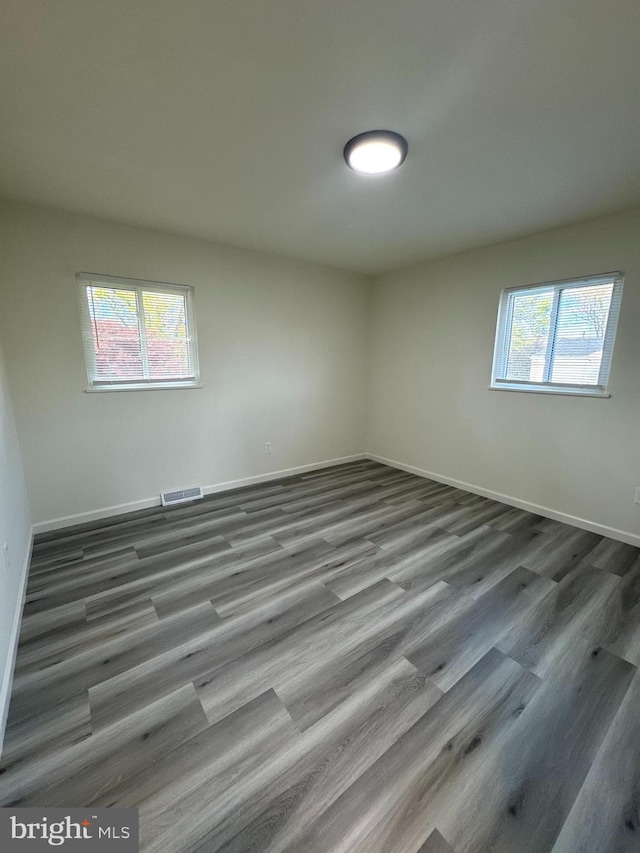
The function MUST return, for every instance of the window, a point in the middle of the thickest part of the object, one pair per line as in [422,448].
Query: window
[557,337]
[137,334]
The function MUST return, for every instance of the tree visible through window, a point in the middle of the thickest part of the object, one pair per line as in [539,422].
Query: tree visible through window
[137,334]
[557,336]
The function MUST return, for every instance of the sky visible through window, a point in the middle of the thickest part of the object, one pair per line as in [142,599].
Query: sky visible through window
[138,334]
[557,334]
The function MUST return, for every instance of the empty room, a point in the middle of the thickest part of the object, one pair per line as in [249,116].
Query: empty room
[320,426]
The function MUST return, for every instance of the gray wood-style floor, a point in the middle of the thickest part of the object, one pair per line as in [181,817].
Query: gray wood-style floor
[354,659]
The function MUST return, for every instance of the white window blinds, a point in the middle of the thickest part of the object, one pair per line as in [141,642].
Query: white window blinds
[558,336]
[137,334]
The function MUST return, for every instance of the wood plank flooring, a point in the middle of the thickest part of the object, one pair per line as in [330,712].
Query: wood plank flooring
[354,659]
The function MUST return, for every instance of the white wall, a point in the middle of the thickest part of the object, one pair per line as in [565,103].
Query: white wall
[433,330]
[284,348]
[15,531]
[282,357]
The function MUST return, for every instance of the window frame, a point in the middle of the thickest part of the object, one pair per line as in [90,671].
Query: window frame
[503,337]
[95,385]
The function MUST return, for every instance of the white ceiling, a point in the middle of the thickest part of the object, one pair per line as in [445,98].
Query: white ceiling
[225,119]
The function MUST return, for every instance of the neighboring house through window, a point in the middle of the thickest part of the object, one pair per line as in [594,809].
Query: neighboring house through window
[558,337]
[137,334]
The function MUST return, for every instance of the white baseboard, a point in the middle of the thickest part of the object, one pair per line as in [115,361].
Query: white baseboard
[547,512]
[145,503]
[7,676]
[285,472]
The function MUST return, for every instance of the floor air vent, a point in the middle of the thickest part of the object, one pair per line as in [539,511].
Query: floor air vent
[179,496]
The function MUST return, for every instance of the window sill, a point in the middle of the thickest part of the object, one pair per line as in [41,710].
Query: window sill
[110,389]
[541,389]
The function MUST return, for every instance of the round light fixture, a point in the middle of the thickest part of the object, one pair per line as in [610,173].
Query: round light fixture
[375,152]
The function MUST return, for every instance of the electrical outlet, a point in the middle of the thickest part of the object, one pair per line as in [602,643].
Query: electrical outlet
[7,555]
[267,447]
[637,498]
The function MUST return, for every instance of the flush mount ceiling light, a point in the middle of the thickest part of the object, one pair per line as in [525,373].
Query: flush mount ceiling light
[375,152]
